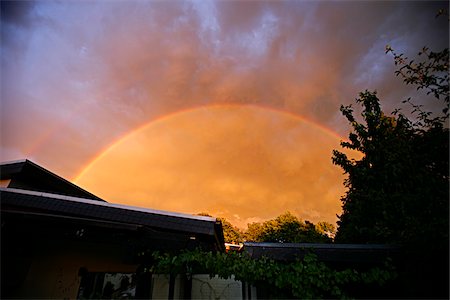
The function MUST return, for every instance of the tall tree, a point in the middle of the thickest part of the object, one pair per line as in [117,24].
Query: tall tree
[398,192]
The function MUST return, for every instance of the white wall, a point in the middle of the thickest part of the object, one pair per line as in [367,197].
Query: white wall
[204,287]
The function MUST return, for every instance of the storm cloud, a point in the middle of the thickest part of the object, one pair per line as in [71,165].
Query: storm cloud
[77,76]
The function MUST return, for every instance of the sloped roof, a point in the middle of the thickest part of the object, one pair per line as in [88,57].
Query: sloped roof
[43,196]
[24,174]
[32,201]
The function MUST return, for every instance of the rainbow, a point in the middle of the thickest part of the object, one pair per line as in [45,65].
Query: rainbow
[166,117]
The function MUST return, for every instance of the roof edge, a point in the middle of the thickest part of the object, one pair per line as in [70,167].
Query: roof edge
[108,204]
[322,246]
[10,162]
[40,168]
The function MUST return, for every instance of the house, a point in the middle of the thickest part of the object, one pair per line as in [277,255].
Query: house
[60,241]
[26,175]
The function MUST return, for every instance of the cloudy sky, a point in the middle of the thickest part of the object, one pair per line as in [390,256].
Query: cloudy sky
[79,76]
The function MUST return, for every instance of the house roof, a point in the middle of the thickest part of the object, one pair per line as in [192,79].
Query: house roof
[37,196]
[351,253]
[52,204]
[24,174]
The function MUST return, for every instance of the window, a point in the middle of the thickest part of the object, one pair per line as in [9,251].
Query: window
[95,285]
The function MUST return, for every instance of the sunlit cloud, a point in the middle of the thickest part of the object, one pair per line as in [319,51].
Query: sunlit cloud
[234,161]
[78,76]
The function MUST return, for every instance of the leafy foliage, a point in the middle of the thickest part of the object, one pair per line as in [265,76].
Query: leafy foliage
[430,74]
[326,228]
[398,191]
[287,228]
[304,278]
[231,233]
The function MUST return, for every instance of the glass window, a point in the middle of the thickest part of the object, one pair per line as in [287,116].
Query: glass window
[107,286]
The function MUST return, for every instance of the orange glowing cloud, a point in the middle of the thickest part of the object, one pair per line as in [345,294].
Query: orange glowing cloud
[244,163]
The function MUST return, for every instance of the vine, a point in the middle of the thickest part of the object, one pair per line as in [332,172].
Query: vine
[303,278]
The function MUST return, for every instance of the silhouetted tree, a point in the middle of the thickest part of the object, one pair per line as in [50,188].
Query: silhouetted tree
[398,192]
[287,228]
[231,233]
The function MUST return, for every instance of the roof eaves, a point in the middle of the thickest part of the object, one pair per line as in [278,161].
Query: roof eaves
[29,162]
[210,220]
[18,167]
[11,162]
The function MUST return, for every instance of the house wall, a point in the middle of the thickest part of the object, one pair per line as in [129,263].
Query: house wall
[160,287]
[204,287]
[54,270]
[55,267]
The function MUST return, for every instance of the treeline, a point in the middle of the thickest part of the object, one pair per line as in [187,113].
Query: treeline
[286,228]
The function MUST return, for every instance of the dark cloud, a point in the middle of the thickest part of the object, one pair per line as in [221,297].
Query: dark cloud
[86,73]
[16,12]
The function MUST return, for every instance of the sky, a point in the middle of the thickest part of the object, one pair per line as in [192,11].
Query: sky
[249,81]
